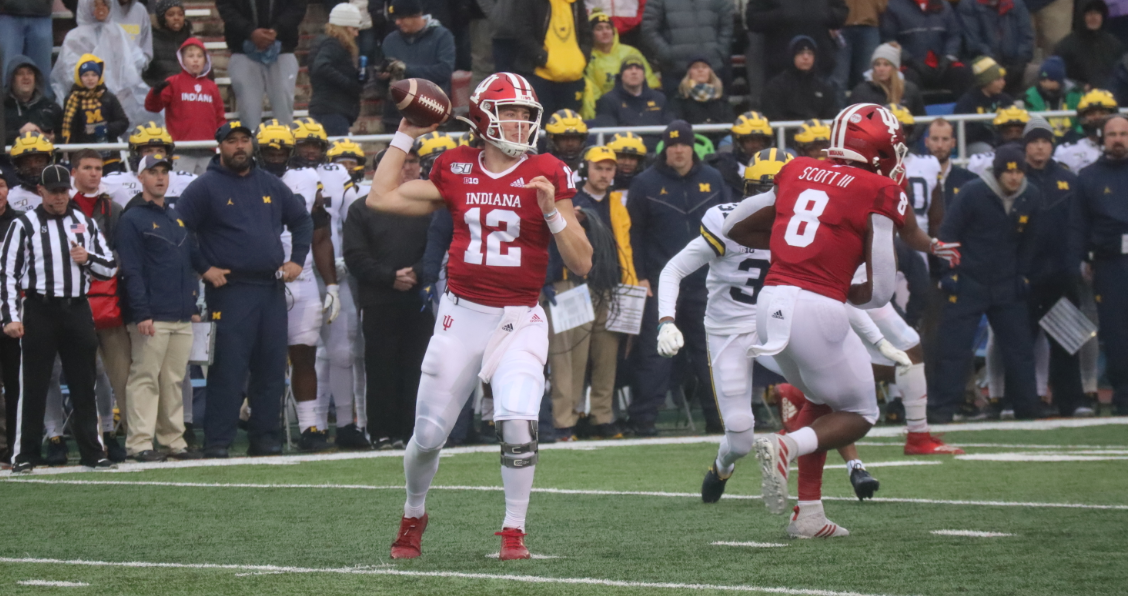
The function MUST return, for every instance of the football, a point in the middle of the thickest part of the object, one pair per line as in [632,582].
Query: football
[422,102]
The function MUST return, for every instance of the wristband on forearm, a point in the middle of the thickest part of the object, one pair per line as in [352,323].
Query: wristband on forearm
[556,222]
[402,141]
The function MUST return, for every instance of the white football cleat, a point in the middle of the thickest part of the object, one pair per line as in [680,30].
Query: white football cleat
[810,522]
[775,453]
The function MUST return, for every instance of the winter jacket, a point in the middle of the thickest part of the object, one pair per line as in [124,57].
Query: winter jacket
[868,91]
[798,95]
[39,110]
[166,54]
[239,20]
[155,259]
[781,20]
[678,30]
[376,245]
[428,54]
[975,102]
[919,32]
[1036,102]
[602,73]
[1090,56]
[334,78]
[192,103]
[625,14]
[7,217]
[619,108]
[133,18]
[1051,256]
[103,122]
[532,18]
[1099,222]
[1008,38]
[26,8]
[666,209]
[865,13]
[714,111]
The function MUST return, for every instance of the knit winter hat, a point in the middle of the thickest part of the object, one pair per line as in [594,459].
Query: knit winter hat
[888,52]
[986,70]
[1053,68]
[1009,157]
[800,43]
[1037,128]
[90,66]
[345,15]
[164,5]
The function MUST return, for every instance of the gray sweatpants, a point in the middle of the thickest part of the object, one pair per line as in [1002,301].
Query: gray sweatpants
[251,80]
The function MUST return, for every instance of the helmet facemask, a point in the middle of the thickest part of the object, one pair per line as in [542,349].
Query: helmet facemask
[494,132]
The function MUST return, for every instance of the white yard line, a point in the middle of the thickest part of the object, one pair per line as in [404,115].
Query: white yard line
[1000,445]
[751,544]
[529,579]
[532,556]
[892,431]
[557,491]
[1040,457]
[52,584]
[970,533]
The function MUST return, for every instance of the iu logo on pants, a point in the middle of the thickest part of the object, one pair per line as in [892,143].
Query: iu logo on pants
[447,322]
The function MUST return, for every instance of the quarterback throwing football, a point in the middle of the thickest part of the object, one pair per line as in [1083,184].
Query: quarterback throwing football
[507,206]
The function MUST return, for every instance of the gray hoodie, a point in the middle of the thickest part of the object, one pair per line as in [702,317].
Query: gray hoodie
[988,176]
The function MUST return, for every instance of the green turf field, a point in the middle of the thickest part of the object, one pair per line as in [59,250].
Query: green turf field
[610,519]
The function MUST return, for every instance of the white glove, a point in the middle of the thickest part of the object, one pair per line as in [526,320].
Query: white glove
[949,251]
[893,353]
[670,339]
[342,269]
[332,302]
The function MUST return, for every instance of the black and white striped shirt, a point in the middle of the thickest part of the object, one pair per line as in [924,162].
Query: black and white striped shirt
[36,257]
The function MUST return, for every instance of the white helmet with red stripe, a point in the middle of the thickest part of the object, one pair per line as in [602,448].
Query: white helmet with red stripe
[871,135]
[500,90]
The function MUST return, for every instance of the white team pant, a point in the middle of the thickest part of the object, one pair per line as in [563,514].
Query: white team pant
[896,331]
[731,370]
[823,357]
[303,321]
[340,362]
[454,359]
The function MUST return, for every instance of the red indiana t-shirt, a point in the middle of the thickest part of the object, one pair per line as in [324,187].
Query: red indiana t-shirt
[822,215]
[499,252]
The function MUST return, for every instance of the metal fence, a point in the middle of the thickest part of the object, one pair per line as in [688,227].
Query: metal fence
[959,121]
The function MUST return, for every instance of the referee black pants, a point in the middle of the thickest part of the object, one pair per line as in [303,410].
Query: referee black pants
[65,328]
[10,373]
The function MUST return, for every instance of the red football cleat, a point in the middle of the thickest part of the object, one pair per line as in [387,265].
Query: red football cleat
[408,541]
[928,444]
[512,544]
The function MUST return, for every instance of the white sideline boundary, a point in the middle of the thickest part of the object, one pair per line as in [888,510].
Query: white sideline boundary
[530,579]
[284,460]
[52,584]
[971,533]
[555,491]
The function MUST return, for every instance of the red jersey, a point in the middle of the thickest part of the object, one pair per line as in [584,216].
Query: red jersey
[499,252]
[822,214]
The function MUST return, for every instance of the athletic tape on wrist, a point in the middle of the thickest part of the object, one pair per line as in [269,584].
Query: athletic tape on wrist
[556,222]
[402,141]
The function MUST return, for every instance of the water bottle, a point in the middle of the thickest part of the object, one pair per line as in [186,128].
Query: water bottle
[363,68]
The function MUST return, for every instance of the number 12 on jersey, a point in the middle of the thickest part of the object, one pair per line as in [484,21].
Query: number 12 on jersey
[493,256]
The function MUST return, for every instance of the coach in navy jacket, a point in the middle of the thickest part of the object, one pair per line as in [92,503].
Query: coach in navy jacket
[156,252]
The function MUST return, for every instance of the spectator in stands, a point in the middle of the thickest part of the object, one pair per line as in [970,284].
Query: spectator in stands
[172,30]
[26,31]
[192,105]
[631,102]
[985,98]
[860,36]
[701,97]
[781,21]
[420,47]
[91,113]
[334,74]
[930,35]
[369,38]
[798,93]
[1054,92]
[625,16]
[1090,53]
[96,34]
[133,18]
[554,64]
[1052,21]
[262,37]
[27,105]
[503,31]
[608,57]
[885,84]
[679,30]
[1001,30]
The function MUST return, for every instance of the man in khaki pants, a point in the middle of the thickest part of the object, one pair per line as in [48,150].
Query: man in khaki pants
[159,305]
[570,351]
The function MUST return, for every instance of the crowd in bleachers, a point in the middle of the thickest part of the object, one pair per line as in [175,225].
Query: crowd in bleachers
[134,71]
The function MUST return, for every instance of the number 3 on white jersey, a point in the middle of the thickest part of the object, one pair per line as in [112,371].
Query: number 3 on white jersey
[808,207]
[494,219]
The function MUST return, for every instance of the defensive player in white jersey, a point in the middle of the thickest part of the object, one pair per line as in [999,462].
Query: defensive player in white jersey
[275,148]
[1009,123]
[145,139]
[1092,110]
[31,153]
[335,351]
[507,205]
[922,176]
[736,276]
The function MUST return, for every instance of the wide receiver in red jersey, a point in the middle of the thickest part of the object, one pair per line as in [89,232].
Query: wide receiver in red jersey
[507,206]
[822,220]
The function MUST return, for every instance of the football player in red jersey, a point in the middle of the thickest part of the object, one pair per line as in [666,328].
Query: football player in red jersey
[822,220]
[507,206]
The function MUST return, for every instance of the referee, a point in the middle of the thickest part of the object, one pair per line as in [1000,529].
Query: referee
[56,316]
